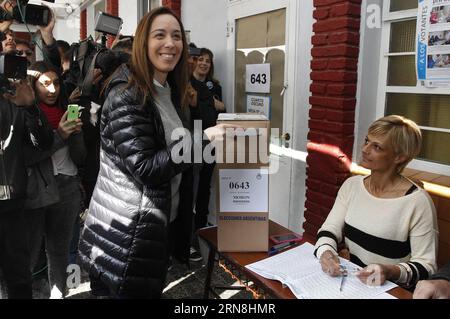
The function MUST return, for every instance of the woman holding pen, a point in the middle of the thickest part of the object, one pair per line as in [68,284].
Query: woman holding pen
[387,221]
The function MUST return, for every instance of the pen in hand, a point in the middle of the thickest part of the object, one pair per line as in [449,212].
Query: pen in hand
[344,274]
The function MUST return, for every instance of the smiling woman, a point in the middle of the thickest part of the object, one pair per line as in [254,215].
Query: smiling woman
[387,222]
[141,209]
[165,46]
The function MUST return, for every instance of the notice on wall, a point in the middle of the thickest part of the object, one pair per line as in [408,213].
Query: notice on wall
[433,42]
[244,190]
[257,104]
[257,78]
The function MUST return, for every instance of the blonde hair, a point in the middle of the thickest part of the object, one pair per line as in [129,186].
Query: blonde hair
[403,135]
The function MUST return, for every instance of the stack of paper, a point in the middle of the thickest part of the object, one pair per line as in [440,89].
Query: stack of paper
[298,269]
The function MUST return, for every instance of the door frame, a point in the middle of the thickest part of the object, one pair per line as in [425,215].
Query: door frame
[297,75]
[243,9]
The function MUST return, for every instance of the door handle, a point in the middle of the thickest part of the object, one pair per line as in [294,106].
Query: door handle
[284,89]
[285,138]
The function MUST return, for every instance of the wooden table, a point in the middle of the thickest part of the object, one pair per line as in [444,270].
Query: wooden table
[234,263]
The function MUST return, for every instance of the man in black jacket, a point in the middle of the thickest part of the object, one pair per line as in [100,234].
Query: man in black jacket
[20,123]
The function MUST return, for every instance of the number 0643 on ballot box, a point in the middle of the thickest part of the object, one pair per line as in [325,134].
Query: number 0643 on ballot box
[242,197]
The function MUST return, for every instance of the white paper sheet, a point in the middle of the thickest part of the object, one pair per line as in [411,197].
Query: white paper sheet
[298,269]
[244,190]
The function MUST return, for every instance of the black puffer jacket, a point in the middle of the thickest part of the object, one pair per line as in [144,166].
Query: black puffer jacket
[19,127]
[204,110]
[125,242]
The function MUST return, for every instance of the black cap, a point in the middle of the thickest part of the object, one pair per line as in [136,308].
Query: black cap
[193,50]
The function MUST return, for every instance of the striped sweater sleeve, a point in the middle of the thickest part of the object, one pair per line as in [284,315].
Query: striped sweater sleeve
[424,241]
[330,234]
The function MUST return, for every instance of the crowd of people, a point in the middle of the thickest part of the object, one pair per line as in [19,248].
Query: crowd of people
[144,205]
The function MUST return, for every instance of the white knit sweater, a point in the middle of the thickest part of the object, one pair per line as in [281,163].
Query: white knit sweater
[399,230]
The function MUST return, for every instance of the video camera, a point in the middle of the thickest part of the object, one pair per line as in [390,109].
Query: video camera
[12,66]
[28,13]
[88,55]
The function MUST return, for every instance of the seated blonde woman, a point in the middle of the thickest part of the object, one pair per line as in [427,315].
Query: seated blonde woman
[387,222]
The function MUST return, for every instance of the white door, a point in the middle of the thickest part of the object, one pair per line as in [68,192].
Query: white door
[267,31]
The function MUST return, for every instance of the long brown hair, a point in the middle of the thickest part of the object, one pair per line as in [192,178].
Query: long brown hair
[40,68]
[142,70]
[210,75]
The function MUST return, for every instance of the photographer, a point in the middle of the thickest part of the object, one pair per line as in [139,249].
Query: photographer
[25,49]
[21,124]
[91,66]
[9,43]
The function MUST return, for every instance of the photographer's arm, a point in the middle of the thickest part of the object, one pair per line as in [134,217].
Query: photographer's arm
[40,133]
[34,155]
[4,26]
[51,52]
[47,31]
[68,133]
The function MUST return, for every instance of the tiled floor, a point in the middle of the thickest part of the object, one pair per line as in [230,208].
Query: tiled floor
[182,283]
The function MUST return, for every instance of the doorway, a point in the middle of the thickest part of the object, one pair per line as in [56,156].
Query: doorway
[278,33]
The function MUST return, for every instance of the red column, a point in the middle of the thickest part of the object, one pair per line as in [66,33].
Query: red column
[83,25]
[175,5]
[112,8]
[333,98]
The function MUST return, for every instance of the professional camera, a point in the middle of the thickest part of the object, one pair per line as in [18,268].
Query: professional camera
[88,55]
[12,66]
[28,13]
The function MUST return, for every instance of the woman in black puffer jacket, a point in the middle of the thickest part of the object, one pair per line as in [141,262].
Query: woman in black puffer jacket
[141,209]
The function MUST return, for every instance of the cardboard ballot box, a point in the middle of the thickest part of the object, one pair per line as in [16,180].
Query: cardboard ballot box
[243,232]
[248,144]
[242,196]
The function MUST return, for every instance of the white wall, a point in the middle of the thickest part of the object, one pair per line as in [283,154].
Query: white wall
[368,70]
[68,29]
[128,11]
[90,20]
[303,34]
[207,21]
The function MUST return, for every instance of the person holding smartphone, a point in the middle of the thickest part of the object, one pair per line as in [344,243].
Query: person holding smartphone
[53,193]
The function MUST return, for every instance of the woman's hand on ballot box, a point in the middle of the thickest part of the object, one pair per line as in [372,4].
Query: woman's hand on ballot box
[217,133]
